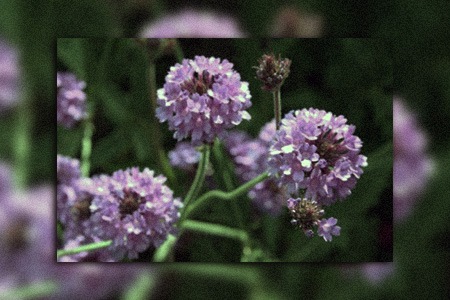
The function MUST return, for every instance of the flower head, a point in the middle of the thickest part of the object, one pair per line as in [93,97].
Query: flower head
[201,98]
[71,100]
[138,211]
[272,71]
[412,165]
[193,24]
[315,151]
[9,75]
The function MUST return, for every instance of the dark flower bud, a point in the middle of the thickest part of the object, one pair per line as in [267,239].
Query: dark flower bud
[272,71]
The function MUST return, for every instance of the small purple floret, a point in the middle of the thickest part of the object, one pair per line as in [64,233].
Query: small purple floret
[327,228]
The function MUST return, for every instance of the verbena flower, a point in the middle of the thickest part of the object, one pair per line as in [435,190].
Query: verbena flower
[412,165]
[191,24]
[9,75]
[139,211]
[184,156]
[71,100]
[315,152]
[202,98]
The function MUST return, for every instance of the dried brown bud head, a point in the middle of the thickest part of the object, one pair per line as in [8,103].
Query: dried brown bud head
[272,71]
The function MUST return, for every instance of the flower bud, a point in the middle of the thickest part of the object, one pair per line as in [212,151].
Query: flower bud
[272,71]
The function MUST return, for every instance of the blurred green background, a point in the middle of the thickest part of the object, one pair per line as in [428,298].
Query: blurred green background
[419,35]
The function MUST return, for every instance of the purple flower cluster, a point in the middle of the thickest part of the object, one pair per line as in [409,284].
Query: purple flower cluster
[9,75]
[134,209]
[201,98]
[250,159]
[184,156]
[71,100]
[316,152]
[193,24]
[412,166]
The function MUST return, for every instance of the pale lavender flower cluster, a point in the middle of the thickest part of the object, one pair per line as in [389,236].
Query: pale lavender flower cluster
[412,166]
[316,152]
[134,209]
[9,75]
[202,98]
[193,24]
[71,100]
[250,159]
[184,156]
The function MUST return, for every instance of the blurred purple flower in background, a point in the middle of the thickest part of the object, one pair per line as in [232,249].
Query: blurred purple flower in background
[250,160]
[9,75]
[193,24]
[27,247]
[317,152]
[184,156]
[202,98]
[412,166]
[71,100]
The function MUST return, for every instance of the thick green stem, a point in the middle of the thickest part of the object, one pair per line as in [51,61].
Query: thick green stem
[277,107]
[216,194]
[86,146]
[32,291]
[217,230]
[178,51]
[23,140]
[198,180]
[88,247]
[164,252]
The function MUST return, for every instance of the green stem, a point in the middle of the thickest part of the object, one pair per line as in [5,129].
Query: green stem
[86,145]
[23,140]
[277,107]
[215,229]
[178,51]
[163,253]
[198,180]
[33,291]
[88,247]
[141,287]
[216,194]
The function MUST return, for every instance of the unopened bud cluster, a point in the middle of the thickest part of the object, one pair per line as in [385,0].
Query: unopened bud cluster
[272,71]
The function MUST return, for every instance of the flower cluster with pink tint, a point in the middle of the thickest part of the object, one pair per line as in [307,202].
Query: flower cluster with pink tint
[201,98]
[193,24]
[316,152]
[71,100]
[412,166]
